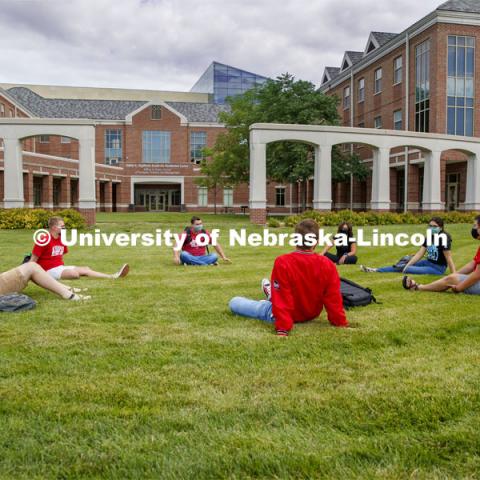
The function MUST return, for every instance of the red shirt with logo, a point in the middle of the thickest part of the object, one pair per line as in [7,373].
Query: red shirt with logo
[51,255]
[302,284]
[190,245]
[477,258]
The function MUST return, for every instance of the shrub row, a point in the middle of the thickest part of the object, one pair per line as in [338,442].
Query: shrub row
[374,218]
[19,218]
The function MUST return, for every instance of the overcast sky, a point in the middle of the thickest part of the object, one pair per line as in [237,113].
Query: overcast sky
[166,44]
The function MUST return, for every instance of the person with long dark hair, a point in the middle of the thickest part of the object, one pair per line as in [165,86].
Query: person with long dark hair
[439,256]
[466,280]
[346,246]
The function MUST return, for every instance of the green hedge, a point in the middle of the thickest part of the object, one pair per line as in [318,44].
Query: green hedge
[18,218]
[374,218]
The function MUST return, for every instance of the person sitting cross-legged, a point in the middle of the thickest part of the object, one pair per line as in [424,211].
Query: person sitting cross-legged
[50,257]
[193,251]
[302,284]
[466,280]
[16,279]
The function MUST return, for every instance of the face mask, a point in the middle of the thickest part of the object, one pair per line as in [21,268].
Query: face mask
[435,229]
[198,228]
[475,233]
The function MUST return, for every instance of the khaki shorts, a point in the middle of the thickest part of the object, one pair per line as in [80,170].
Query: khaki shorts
[12,281]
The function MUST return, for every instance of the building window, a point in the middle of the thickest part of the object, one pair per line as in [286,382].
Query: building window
[460,86]
[397,70]
[397,120]
[2,110]
[422,87]
[156,112]
[57,187]
[156,146]
[10,112]
[198,141]
[280,196]
[65,140]
[228,197]
[377,122]
[202,196]
[37,191]
[361,90]
[346,98]
[378,80]
[44,139]
[113,146]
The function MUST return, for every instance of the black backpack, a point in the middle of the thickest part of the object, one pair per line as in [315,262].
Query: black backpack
[402,263]
[16,302]
[354,295]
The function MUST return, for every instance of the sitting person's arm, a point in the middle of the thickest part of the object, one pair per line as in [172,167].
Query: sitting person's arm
[332,298]
[351,253]
[472,279]
[468,268]
[176,257]
[326,249]
[450,262]
[282,299]
[417,257]
[220,252]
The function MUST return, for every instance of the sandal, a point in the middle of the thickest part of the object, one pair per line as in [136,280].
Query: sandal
[409,283]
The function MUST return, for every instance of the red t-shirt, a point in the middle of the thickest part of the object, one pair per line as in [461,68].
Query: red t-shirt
[191,247]
[477,258]
[51,255]
[302,284]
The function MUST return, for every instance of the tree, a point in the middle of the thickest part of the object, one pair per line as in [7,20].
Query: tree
[283,100]
[214,175]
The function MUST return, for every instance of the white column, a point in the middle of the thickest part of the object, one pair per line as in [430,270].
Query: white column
[432,199]
[86,174]
[472,194]
[13,173]
[381,179]
[258,176]
[322,178]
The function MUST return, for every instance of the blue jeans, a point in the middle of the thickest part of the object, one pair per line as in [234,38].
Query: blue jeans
[189,259]
[261,310]
[423,267]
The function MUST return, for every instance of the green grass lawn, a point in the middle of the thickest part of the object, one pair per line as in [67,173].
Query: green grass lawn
[154,378]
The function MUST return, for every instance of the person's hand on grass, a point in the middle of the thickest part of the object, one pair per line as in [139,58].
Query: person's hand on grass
[342,260]
[226,260]
[455,289]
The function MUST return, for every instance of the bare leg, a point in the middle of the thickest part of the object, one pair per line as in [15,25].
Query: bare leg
[77,272]
[34,272]
[441,285]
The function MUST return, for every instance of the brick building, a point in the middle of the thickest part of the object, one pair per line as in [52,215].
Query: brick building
[423,79]
[148,146]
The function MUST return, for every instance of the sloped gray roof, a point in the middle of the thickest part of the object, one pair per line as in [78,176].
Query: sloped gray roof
[332,71]
[383,37]
[68,108]
[199,112]
[469,6]
[105,109]
[355,57]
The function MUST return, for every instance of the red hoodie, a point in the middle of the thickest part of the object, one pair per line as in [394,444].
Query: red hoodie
[302,284]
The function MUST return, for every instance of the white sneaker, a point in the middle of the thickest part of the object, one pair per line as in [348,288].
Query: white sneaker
[123,272]
[365,269]
[267,288]
[78,298]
